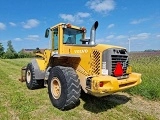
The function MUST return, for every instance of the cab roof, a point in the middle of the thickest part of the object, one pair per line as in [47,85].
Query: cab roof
[65,24]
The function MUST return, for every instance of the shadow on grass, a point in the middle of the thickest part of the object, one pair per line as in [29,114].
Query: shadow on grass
[97,105]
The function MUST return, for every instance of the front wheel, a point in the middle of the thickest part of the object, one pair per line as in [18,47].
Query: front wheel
[64,87]
[31,82]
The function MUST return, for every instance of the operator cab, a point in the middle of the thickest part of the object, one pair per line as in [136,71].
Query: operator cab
[66,34]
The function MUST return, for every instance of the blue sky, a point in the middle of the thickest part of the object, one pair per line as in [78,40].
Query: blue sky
[24,21]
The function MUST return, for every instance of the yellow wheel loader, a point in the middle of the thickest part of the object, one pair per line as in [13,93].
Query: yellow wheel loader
[75,63]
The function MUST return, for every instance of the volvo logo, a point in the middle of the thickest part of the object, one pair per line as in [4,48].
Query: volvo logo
[81,51]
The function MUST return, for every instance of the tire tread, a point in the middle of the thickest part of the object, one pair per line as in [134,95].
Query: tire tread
[73,88]
[34,84]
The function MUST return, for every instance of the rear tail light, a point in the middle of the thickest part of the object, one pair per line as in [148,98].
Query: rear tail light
[101,84]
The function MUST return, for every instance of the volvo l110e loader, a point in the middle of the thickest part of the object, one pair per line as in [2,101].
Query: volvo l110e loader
[75,63]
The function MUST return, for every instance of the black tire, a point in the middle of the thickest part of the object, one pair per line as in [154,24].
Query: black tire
[31,82]
[69,87]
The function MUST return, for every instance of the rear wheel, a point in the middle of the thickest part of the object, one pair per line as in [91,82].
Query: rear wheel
[31,82]
[64,87]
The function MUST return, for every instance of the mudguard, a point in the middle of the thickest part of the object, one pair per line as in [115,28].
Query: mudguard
[39,75]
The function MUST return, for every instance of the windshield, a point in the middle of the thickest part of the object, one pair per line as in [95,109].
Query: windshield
[72,36]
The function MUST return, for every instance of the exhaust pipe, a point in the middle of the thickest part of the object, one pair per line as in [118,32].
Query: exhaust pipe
[93,33]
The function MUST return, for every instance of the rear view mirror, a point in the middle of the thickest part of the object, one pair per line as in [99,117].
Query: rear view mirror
[47,33]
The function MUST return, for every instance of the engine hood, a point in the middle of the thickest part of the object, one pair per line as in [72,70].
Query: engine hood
[102,47]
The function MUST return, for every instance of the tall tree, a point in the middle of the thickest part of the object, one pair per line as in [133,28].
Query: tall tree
[10,53]
[10,46]
[1,50]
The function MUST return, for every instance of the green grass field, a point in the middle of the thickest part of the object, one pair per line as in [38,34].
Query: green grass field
[148,64]
[19,103]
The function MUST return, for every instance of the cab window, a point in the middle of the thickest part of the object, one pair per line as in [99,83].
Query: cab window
[72,36]
[55,39]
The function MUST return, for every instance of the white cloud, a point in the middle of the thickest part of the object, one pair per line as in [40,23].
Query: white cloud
[30,23]
[105,40]
[33,37]
[139,21]
[111,26]
[12,24]
[102,40]
[117,37]
[67,17]
[158,36]
[143,35]
[140,36]
[101,5]
[17,39]
[110,37]
[2,26]
[83,14]
[77,18]
[121,37]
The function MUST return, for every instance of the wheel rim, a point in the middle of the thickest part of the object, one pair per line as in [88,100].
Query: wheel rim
[56,88]
[28,76]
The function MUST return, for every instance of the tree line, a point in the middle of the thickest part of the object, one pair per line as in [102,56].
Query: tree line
[10,53]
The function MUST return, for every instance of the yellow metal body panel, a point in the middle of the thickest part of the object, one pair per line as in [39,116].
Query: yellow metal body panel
[43,62]
[111,84]
[40,63]
[102,47]
[83,52]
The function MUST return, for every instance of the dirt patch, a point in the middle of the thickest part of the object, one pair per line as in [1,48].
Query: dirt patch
[140,104]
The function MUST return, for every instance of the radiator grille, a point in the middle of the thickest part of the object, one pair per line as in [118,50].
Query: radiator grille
[95,65]
[122,59]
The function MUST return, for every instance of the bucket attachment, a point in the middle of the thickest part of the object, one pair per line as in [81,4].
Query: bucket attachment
[23,74]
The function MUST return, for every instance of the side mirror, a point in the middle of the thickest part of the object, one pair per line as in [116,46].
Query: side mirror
[47,33]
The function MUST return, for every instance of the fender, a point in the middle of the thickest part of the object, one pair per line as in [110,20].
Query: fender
[39,75]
